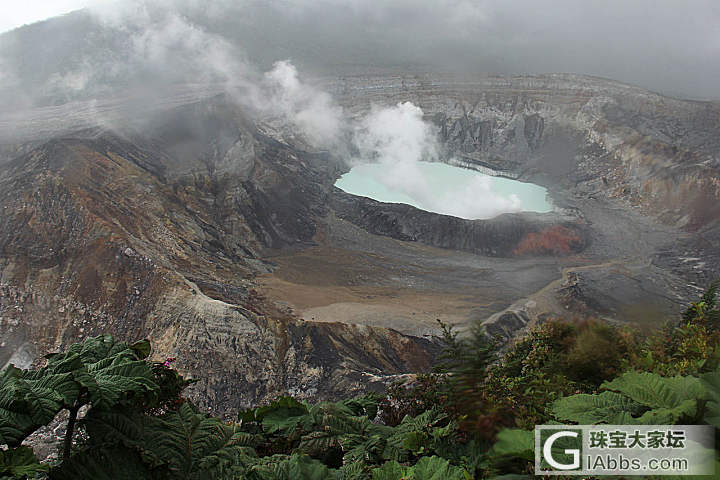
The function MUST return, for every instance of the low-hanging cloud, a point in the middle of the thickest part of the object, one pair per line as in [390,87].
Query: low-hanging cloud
[663,45]
[150,49]
[172,49]
[307,108]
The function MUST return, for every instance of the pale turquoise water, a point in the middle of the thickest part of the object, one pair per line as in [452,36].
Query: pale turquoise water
[442,188]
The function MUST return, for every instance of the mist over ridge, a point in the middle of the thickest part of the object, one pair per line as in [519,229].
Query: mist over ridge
[661,45]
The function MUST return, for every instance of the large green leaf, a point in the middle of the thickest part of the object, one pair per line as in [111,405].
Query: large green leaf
[363,406]
[283,407]
[607,407]
[669,416]
[294,467]
[142,349]
[115,378]
[636,398]
[391,470]
[30,399]
[427,468]
[436,468]
[354,471]
[108,370]
[414,435]
[194,445]
[515,443]
[336,417]
[115,427]
[186,444]
[111,371]
[16,419]
[654,391]
[360,448]
[91,350]
[711,382]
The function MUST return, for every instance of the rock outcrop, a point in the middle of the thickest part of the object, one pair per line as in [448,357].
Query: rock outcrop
[500,236]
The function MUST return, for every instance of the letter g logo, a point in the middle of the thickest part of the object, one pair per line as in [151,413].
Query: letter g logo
[547,452]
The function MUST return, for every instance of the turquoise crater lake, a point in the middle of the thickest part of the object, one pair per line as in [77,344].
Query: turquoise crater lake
[442,188]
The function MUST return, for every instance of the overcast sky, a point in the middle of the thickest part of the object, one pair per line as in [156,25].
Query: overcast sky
[15,13]
[670,46]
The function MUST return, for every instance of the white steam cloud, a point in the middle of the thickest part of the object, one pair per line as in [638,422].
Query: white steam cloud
[400,141]
[311,110]
[155,53]
[169,45]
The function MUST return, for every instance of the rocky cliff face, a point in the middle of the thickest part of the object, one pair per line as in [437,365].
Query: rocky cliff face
[594,135]
[159,238]
[500,236]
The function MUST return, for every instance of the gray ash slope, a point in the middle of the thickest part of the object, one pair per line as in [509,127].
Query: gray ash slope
[164,224]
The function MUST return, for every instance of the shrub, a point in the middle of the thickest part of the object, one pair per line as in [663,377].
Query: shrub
[597,354]
[557,240]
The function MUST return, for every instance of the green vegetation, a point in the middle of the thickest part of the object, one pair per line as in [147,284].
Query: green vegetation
[473,418]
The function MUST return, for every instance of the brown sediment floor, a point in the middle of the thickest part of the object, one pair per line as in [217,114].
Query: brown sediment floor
[406,286]
[405,310]
[352,276]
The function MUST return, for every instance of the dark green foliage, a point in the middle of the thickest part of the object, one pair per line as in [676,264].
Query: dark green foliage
[517,388]
[182,444]
[138,427]
[633,398]
[19,462]
[513,451]
[531,375]
[706,310]
[711,382]
[30,399]
[454,424]
[296,466]
[427,468]
[670,377]
[99,371]
[281,408]
[515,442]
[690,348]
[466,360]
[414,397]
[193,445]
[103,464]
[108,373]
[343,433]
[596,354]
